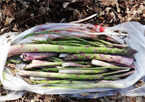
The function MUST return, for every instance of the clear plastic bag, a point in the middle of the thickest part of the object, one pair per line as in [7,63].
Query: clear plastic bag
[135,40]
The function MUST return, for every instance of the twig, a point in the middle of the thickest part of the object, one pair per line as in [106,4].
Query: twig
[81,20]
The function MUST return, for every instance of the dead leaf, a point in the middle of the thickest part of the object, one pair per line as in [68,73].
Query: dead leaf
[42,10]
[109,2]
[15,28]
[8,21]
[65,4]
[9,11]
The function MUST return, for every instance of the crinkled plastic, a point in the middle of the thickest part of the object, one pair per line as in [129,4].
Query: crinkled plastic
[135,40]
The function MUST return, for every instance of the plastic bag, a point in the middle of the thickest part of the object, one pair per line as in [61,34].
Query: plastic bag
[135,40]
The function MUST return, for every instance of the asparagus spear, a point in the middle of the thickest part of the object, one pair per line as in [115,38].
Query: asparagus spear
[82,84]
[120,75]
[18,49]
[78,71]
[86,34]
[101,63]
[77,38]
[71,76]
[74,64]
[37,63]
[111,44]
[59,75]
[27,56]
[51,82]
[99,68]
[16,61]
[91,85]
[82,62]
[88,70]
[110,58]
[54,59]
[69,42]
[45,69]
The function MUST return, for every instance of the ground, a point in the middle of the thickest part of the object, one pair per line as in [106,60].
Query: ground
[17,16]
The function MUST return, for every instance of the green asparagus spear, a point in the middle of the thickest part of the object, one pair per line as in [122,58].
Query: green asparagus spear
[18,49]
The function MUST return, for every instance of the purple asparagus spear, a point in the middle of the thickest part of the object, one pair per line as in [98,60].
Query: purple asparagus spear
[30,55]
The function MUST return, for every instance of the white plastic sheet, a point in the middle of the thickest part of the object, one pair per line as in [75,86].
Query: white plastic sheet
[135,40]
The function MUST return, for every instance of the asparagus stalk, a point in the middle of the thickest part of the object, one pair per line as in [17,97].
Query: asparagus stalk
[27,56]
[111,44]
[66,35]
[16,61]
[71,76]
[37,63]
[84,62]
[78,71]
[51,82]
[82,84]
[120,75]
[18,49]
[45,69]
[74,43]
[65,43]
[110,58]
[86,34]
[101,63]
[59,75]
[108,38]
[55,59]
[91,85]
[74,64]
[100,68]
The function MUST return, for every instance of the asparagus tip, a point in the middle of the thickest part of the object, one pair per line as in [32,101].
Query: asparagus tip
[131,51]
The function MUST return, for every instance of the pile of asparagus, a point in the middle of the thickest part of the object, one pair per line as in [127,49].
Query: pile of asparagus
[73,61]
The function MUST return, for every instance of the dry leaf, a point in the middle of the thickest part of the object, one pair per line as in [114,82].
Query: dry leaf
[8,21]
[109,2]
[9,11]
[41,10]
[65,4]
[15,28]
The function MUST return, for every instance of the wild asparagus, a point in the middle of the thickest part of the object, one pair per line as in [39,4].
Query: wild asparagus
[91,85]
[111,44]
[77,71]
[70,76]
[37,63]
[59,75]
[51,82]
[100,68]
[27,56]
[74,64]
[96,70]
[69,43]
[82,84]
[120,75]
[110,58]
[81,71]
[101,63]
[18,49]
